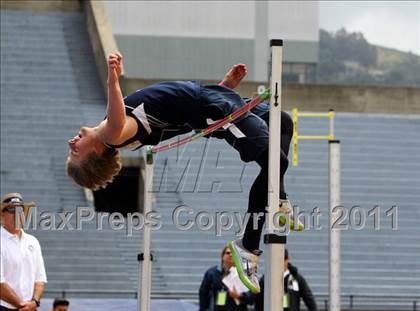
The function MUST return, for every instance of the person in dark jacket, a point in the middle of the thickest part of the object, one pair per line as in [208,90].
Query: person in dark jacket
[213,293]
[295,289]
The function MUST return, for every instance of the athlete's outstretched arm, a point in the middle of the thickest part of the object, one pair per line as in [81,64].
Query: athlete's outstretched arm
[234,76]
[112,127]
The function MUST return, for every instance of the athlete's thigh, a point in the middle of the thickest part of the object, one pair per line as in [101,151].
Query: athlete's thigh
[249,137]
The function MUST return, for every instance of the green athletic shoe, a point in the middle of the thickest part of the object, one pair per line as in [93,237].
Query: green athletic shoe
[287,211]
[246,263]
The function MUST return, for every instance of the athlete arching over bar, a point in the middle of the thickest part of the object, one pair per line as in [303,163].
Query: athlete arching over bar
[164,110]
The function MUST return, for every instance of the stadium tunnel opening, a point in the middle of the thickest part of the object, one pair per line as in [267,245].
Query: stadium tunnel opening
[124,195]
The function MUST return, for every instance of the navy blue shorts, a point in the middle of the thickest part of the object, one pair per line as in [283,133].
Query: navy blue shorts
[249,133]
[249,136]
[215,103]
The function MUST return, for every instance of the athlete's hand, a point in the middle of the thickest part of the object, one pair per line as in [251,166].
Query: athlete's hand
[114,66]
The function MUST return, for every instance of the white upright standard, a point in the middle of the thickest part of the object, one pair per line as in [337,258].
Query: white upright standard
[334,233]
[145,259]
[273,293]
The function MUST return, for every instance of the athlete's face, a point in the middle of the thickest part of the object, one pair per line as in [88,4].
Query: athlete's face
[82,144]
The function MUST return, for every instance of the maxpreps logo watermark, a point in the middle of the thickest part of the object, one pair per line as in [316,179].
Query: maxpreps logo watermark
[184,218]
[85,217]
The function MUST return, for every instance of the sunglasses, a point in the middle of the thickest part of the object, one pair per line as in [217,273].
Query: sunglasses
[11,210]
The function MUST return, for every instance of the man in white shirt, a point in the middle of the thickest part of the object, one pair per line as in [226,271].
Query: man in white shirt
[22,273]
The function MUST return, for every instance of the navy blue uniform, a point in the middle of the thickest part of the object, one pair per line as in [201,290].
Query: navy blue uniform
[168,109]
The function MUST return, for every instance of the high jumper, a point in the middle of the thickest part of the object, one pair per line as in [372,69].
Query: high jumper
[168,109]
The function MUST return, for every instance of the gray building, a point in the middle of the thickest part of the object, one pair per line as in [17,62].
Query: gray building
[201,39]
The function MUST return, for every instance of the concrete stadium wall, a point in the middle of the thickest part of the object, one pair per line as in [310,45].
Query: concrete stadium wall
[306,97]
[41,5]
[101,37]
[372,99]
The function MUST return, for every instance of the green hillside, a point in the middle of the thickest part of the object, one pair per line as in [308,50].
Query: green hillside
[347,58]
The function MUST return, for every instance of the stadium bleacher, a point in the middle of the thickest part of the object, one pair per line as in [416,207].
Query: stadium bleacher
[50,86]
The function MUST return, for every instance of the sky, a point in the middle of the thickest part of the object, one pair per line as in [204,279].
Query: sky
[394,24]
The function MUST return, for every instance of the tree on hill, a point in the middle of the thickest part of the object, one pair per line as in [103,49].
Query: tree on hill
[348,58]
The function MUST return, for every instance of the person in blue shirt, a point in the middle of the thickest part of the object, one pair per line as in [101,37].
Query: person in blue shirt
[164,110]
